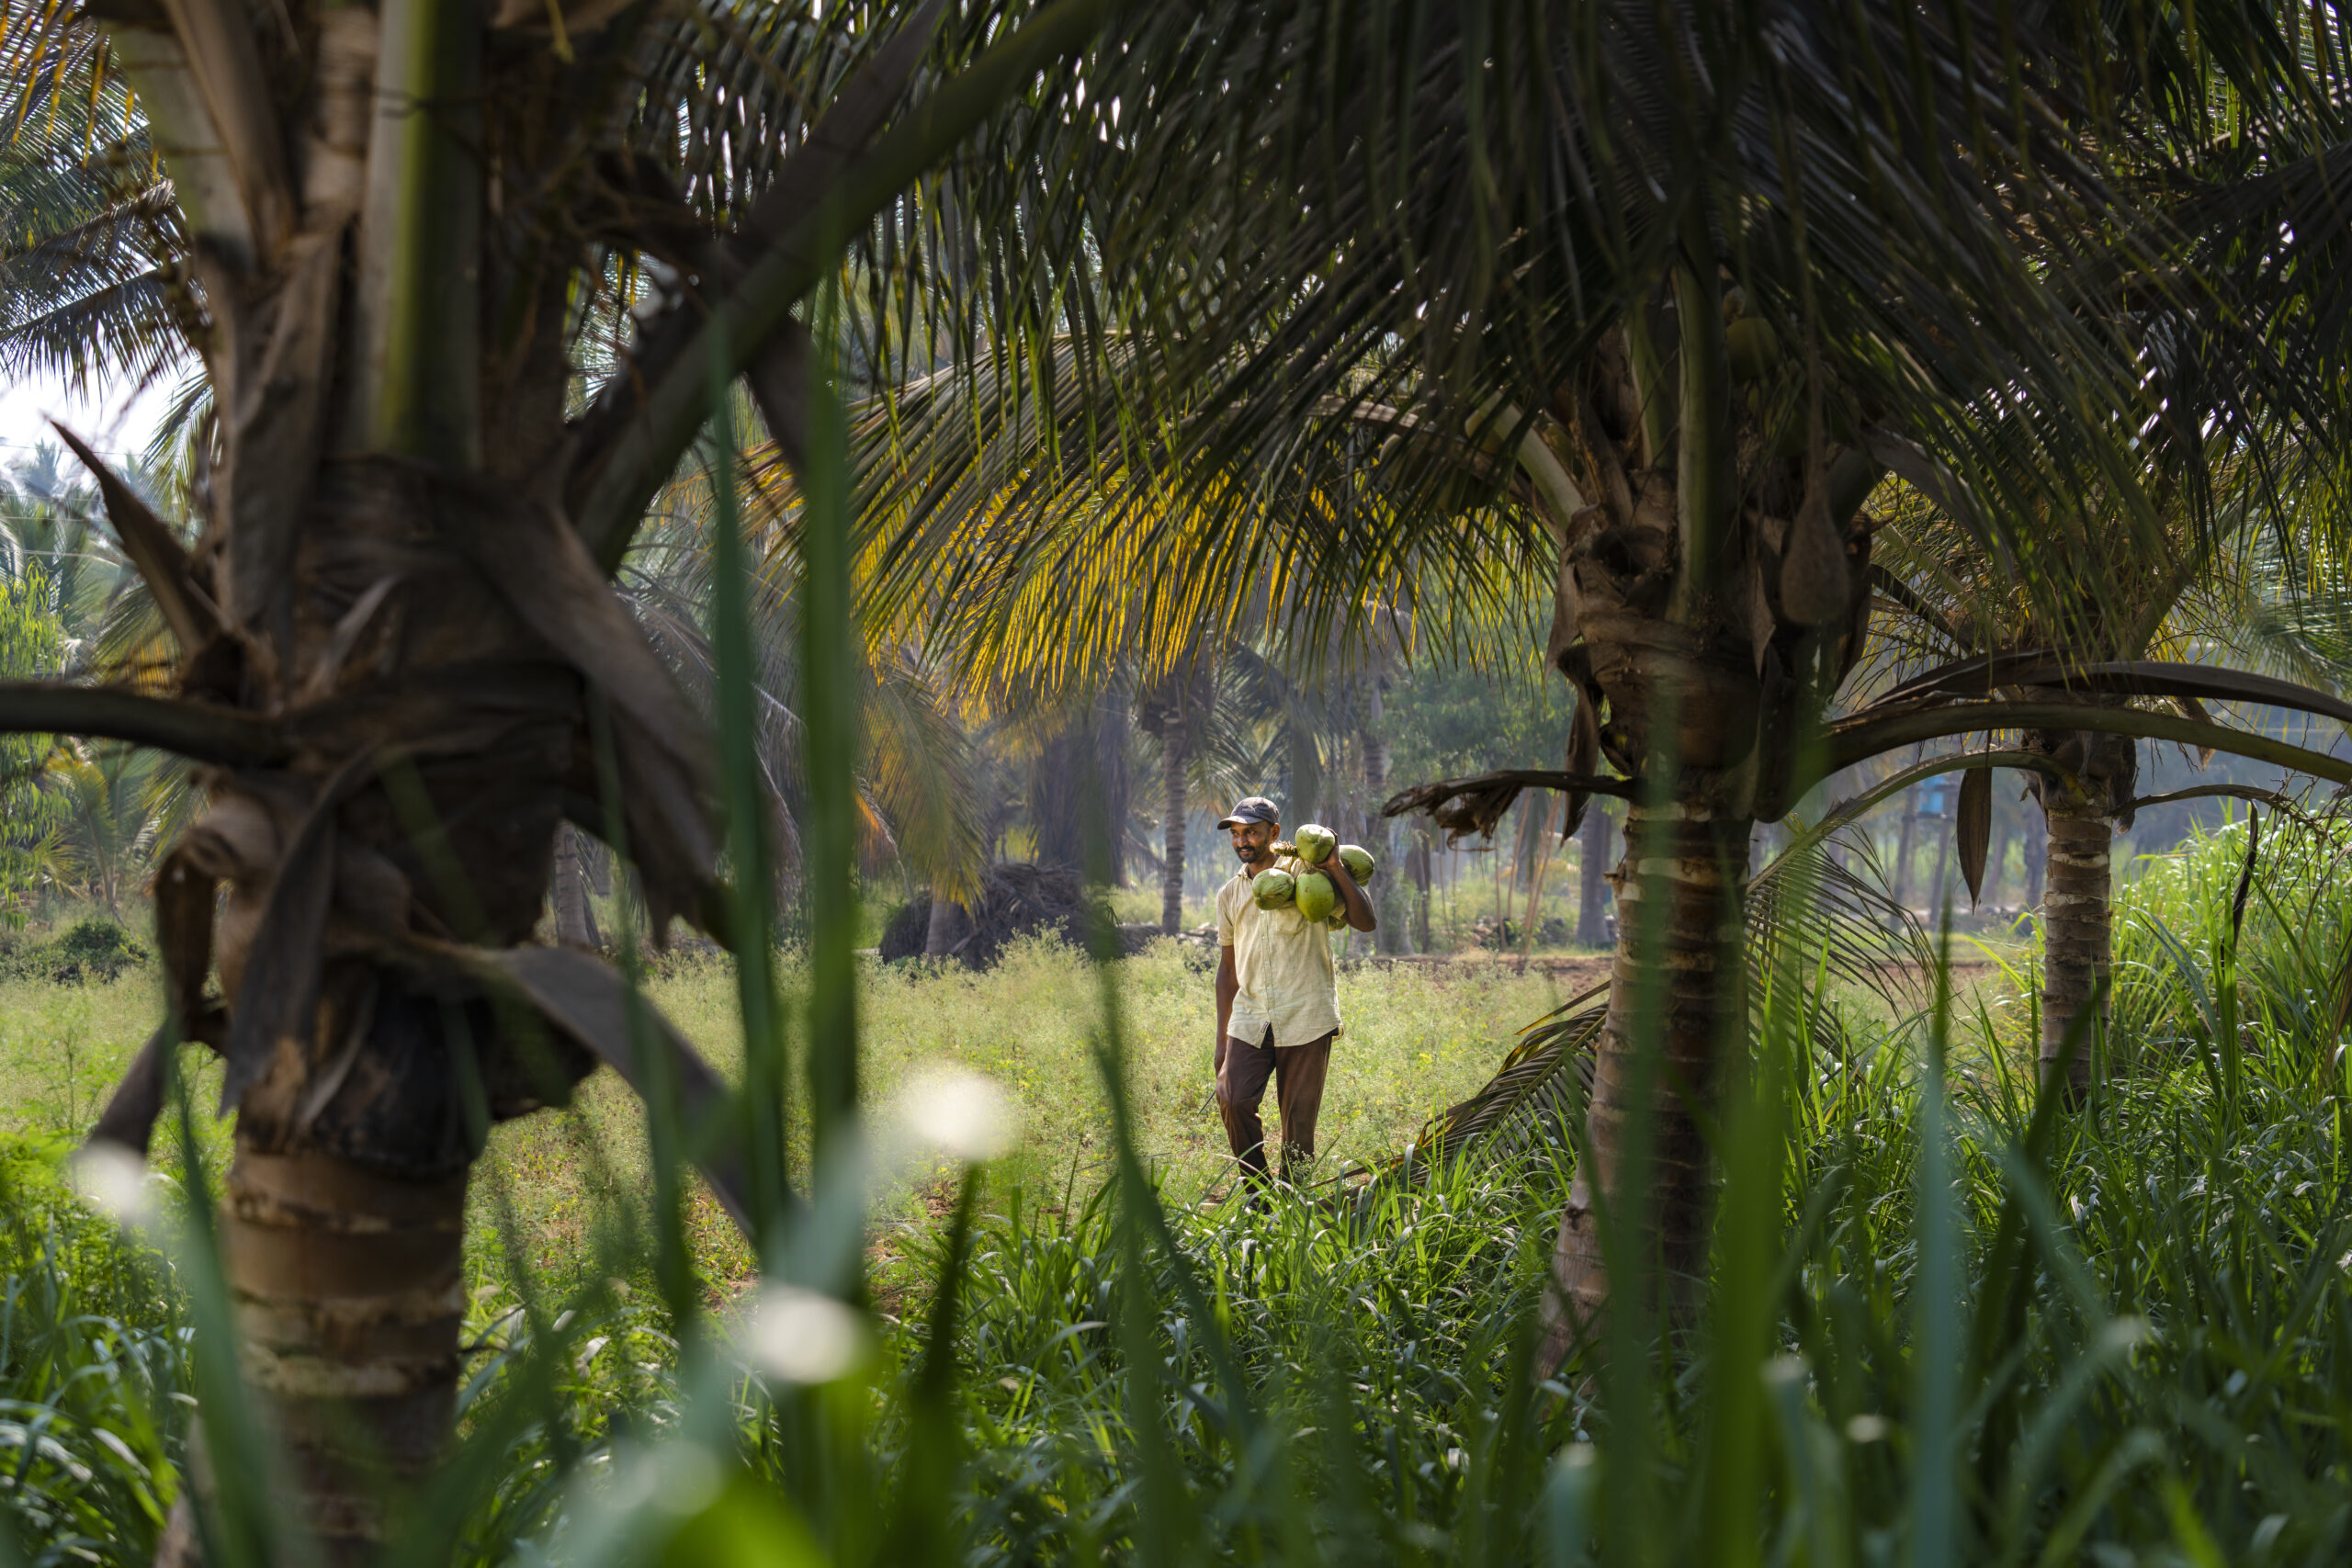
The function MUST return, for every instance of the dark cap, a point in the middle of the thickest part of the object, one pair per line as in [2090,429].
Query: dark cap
[1257,808]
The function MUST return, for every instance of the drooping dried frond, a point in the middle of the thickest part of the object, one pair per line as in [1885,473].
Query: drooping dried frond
[1827,928]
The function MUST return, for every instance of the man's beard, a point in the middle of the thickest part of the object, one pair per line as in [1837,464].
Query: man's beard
[1248,854]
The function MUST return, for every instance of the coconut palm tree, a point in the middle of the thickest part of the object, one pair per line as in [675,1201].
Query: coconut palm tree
[1958,624]
[32,820]
[396,235]
[1652,301]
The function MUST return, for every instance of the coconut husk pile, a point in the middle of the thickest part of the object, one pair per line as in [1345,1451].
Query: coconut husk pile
[1018,899]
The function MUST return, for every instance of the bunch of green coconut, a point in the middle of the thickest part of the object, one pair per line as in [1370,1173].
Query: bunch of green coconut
[1296,884]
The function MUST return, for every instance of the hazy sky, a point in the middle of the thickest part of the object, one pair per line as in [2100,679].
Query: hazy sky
[114,420]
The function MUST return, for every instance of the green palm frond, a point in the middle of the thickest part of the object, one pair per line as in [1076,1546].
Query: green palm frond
[52,60]
[1430,223]
[916,796]
[91,253]
[1002,525]
[127,328]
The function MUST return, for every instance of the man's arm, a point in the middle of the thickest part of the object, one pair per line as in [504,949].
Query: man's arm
[1229,985]
[1352,899]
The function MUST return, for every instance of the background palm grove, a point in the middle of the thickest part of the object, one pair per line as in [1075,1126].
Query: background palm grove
[604,838]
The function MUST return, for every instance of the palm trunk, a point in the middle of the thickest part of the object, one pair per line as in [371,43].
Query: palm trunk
[1906,837]
[1592,898]
[1422,878]
[1542,826]
[2076,916]
[1994,860]
[945,927]
[350,1294]
[407,545]
[575,920]
[2101,774]
[1390,938]
[1938,891]
[1676,998]
[1687,617]
[1172,881]
[2036,858]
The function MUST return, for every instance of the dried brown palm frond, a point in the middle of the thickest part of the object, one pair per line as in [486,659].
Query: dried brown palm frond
[1833,927]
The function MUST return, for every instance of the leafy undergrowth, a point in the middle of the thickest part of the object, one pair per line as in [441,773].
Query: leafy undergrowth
[2116,1334]
[92,1374]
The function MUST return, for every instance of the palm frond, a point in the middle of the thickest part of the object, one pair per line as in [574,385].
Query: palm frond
[1811,916]
[1431,223]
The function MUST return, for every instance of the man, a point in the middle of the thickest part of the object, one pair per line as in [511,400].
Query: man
[1277,998]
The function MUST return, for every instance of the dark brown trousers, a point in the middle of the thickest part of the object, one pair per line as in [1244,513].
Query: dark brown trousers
[1299,1072]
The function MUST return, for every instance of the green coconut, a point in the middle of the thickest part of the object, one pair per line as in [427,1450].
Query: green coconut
[1359,861]
[1274,889]
[1316,896]
[1315,844]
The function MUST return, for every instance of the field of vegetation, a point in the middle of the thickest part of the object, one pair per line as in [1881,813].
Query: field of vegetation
[2125,1325]
[1418,1039]
[1694,494]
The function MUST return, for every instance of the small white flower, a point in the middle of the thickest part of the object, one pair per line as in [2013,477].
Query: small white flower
[959,1112]
[678,1478]
[113,1181]
[690,1476]
[801,1336]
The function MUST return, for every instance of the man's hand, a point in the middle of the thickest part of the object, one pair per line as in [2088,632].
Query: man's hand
[1351,898]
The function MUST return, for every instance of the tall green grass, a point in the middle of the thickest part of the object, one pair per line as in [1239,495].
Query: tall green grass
[2126,1340]
[93,1375]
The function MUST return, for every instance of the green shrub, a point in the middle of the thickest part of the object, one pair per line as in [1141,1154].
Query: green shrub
[92,949]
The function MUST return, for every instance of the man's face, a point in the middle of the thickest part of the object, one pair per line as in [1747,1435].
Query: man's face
[1253,842]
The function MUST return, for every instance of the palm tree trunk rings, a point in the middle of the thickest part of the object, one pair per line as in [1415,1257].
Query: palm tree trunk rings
[1678,994]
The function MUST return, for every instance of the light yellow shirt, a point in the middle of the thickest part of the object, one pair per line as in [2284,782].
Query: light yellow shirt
[1284,962]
